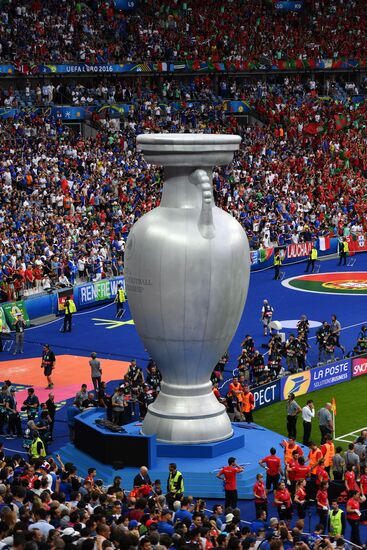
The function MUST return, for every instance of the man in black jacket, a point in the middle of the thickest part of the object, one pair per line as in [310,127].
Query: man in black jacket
[142,478]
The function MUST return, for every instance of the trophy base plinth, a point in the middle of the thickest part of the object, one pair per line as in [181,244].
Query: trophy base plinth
[188,429]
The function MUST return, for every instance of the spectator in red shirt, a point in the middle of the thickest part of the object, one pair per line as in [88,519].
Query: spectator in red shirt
[301,471]
[228,475]
[290,469]
[283,501]
[350,479]
[92,472]
[260,494]
[363,480]
[273,465]
[321,473]
[300,498]
[322,502]
[353,516]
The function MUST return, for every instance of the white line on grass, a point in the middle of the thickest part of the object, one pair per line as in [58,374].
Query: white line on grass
[340,438]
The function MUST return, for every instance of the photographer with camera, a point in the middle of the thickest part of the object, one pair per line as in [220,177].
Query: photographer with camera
[31,404]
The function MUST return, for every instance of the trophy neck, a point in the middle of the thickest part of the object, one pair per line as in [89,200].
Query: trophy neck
[178,190]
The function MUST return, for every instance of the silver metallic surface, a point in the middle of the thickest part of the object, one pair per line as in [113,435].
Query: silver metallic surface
[187,266]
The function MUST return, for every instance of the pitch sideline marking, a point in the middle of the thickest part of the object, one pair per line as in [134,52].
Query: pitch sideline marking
[350,433]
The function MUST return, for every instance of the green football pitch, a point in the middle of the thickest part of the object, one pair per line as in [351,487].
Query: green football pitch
[351,411]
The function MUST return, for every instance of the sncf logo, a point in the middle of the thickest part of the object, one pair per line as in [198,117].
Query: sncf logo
[359,367]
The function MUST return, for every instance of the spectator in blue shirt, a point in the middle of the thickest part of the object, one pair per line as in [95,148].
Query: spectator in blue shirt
[184,514]
[164,525]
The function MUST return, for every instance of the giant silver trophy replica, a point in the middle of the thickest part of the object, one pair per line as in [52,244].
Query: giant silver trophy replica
[187,266]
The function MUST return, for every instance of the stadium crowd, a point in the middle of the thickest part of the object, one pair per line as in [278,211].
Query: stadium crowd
[47,504]
[67,204]
[73,200]
[33,31]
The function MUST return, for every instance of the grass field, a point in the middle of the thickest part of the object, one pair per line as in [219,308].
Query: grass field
[351,403]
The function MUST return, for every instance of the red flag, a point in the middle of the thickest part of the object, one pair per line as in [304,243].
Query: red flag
[333,406]
[314,128]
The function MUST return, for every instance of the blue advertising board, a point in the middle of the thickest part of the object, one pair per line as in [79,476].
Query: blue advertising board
[316,378]
[126,4]
[283,5]
[96,292]
[267,394]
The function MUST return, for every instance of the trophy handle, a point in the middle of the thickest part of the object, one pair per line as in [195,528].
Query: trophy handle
[205,225]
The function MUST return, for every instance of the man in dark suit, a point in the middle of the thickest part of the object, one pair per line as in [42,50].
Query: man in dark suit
[142,478]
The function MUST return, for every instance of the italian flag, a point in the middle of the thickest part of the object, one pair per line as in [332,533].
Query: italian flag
[324,243]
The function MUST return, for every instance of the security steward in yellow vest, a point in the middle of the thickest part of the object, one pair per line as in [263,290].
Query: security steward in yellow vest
[37,448]
[343,251]
[277,264]
[336,520]
[69,309]
[120,300]
[175,485]
[312,257]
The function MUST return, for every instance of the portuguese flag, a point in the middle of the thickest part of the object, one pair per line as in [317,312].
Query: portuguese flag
[341,121]
[314,128]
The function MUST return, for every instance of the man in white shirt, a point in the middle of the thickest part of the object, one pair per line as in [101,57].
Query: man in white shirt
[42,516]
[308,413]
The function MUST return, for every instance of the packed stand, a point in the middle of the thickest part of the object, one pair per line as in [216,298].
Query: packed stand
[75,199]
[33,31]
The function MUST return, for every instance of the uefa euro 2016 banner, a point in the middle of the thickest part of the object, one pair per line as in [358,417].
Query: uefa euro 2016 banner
[205,66]
[96,292]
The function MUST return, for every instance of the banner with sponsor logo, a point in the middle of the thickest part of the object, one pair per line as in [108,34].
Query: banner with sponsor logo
[96,292]
[316,378]
[4,329]
[12,310]
[267,394]
[197,65]
[299,250]
[359,366]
